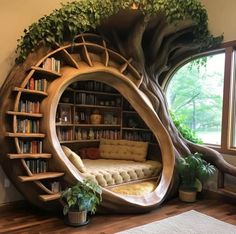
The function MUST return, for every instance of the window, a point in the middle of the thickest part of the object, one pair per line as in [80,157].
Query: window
[195,94]
[203,93]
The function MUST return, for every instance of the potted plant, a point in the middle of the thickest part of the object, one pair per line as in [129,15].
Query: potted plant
[193,171]
[78,200]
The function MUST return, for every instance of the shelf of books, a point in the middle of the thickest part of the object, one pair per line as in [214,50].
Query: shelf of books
[118,120]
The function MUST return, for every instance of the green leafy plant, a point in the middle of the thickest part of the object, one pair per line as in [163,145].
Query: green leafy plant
[83,196]
[184,130]
[193,171]
[85,15]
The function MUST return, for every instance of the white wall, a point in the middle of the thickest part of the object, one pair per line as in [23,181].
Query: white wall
[221,15]
[16,15]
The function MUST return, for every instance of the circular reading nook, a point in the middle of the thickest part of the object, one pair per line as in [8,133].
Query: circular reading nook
[81,109]
[51,107]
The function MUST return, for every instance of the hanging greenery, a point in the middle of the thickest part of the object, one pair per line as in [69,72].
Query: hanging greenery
[85,15]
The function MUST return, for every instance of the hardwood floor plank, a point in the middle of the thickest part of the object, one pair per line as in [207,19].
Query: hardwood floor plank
[31,220]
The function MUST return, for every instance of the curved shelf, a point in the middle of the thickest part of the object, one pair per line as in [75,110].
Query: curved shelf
[25,114]
[50,197]
[41,176]
[48,73]
[29,156]
[29,91]
[25,135]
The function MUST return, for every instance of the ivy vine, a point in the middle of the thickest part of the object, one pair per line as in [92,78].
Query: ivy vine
[85,15]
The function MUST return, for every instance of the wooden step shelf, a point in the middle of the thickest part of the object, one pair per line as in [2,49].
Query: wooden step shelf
[26,114]
[41,176]
[29,91]
[29,156]
[25,135]
[48,73]
[50,197]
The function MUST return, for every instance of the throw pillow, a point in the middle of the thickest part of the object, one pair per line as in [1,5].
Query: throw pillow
[123,150]
[77,162]
[67,151]
[92,153]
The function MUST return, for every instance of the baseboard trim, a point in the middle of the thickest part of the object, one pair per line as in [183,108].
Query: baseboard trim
[13,205]
[217,195]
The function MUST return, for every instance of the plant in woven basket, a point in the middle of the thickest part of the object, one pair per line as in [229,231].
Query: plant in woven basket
[82,197]
[193,172]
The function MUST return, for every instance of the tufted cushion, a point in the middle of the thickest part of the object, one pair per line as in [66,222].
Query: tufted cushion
[123,149]
[107,172]
[77,162]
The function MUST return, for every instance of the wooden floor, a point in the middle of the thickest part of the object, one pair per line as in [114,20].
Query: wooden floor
[31,220]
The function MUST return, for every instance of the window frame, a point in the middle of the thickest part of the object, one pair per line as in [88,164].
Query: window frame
[229,94]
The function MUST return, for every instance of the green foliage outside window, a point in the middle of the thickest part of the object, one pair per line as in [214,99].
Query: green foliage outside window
[184,130]
[195,94]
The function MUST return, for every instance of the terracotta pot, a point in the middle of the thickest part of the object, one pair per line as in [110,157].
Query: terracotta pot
[187,196]
[76,217]
[95,118]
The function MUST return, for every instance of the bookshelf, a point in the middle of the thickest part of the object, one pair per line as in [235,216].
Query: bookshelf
[118,118]
[26,128]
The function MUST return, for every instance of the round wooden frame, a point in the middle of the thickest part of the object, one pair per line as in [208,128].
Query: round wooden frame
[94,62]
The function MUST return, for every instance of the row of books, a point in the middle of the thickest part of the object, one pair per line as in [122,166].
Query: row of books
[93,86]
[92,99]
[84,98]
[27,126]
[137,136]
[37,165]
[52,64]
[91,134]
[64,134]
[37,84]
[54,186]
[29,106]
[31,147]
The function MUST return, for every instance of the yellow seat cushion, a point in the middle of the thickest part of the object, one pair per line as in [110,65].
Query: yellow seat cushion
[123,150]
[136,189]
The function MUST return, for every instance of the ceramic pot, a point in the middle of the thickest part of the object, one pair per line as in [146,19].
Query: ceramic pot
[187,196]
[95,118]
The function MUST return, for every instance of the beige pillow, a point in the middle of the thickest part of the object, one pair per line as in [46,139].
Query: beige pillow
[123,150]
[67,151]
[74,158]
[77,162]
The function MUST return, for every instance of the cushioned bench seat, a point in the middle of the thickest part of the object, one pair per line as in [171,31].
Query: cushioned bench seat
[108,172]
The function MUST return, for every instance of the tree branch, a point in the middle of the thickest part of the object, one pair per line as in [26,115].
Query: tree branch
[163,31]
[134,42]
